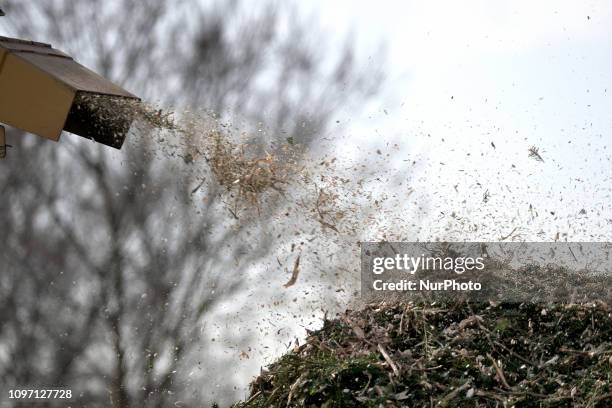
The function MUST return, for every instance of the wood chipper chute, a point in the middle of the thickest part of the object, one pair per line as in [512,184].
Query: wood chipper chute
[39,90]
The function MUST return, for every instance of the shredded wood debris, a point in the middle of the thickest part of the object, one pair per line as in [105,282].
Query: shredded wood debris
[294,274]
[534,152]
[448,354]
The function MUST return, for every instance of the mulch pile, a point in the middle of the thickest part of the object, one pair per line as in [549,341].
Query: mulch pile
[454,354]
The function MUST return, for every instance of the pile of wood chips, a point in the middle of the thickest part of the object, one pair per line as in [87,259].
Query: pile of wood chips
[448,355]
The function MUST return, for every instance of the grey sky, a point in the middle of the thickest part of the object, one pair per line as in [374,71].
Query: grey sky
[465,74]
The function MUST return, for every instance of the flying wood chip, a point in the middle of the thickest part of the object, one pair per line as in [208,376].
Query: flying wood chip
[295,274]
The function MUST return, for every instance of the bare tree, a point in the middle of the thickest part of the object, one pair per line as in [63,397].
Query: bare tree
[108,266]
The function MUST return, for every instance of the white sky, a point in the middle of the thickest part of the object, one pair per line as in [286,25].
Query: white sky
[469,73]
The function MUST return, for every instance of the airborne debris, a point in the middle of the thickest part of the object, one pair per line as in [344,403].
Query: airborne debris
[117,108]
[294,274]
[238,167]
[534,153]
[324,208]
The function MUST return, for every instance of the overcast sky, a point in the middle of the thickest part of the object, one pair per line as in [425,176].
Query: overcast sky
[463,75]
